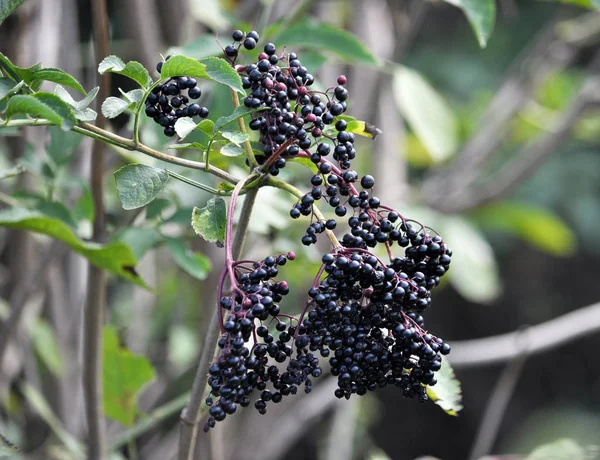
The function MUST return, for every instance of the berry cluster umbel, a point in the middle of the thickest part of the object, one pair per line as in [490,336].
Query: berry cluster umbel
[172,100]
[363,314]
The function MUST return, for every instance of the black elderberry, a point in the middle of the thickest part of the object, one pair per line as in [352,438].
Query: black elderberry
[237,35]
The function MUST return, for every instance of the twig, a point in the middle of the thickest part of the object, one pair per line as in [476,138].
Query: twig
[540,338]
[191,415]
[496,408]
[530,157]
[96,285]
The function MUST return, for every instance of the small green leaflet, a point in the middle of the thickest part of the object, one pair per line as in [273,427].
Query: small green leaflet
[220,70]
[184,126]
[82,112]
[447,392]
[114,106]
[193,263]
[210,221]
[7,7]
[182,65]
[236,137]
[231,150]
[237,113]
[123,375]
[42,105]
[133,70]
[57,76]
[138,185]
[117,258]
[481,15]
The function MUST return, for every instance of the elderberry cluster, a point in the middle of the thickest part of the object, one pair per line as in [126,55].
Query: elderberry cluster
[366,314]
[172,100]
[249,353]
[290,118]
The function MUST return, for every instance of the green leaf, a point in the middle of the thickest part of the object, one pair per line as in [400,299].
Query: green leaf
[84,206]
[117,258]
[140,240]
[123,376]
[362,128]
[193,263]
[481,15]
[19,73]
[237,137]
[46,346]
[59,106]
[62,145]
[7,7]
[58,76]
[322,36]
[82,112]
[138,185]
[178,66]
[12,172]
[427,112]
[447,392]
[220,70]
[184,126]
[306,163]
[35,108]
[133,70]
[188,145]
[114,106]
[474,271]
[231,150]
[239,112]
[206,126]
[537,226]
[209,222]
[156,208]
[57,210]
[6,85]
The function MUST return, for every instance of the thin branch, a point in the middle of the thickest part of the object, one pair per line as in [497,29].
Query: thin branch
[96,285]
[496,408]
[191,415]
[530,157]
[540,338]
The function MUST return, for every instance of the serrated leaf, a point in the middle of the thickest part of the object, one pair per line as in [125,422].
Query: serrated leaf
[19,73]
[237,137]
[447,392]
[323,36]
[58,76]
[12,172]
[427,113]
[481,15]
[46,346]
[184,126]
[60,107]
[133,70]
[117,258]
[231,150]
[138,185]
[178,66]
[210,221]
[123,375]
[537,226]
[34,107]
[193,263]
[239,112]
[220,70]
[82,112]
[7,7]
[114,106]
[474,271]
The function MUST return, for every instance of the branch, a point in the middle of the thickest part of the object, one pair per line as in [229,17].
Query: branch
[529,158]
[191,415]
[532,340]
[96,283]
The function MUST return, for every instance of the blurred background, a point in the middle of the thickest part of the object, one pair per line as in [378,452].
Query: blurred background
[497,148]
